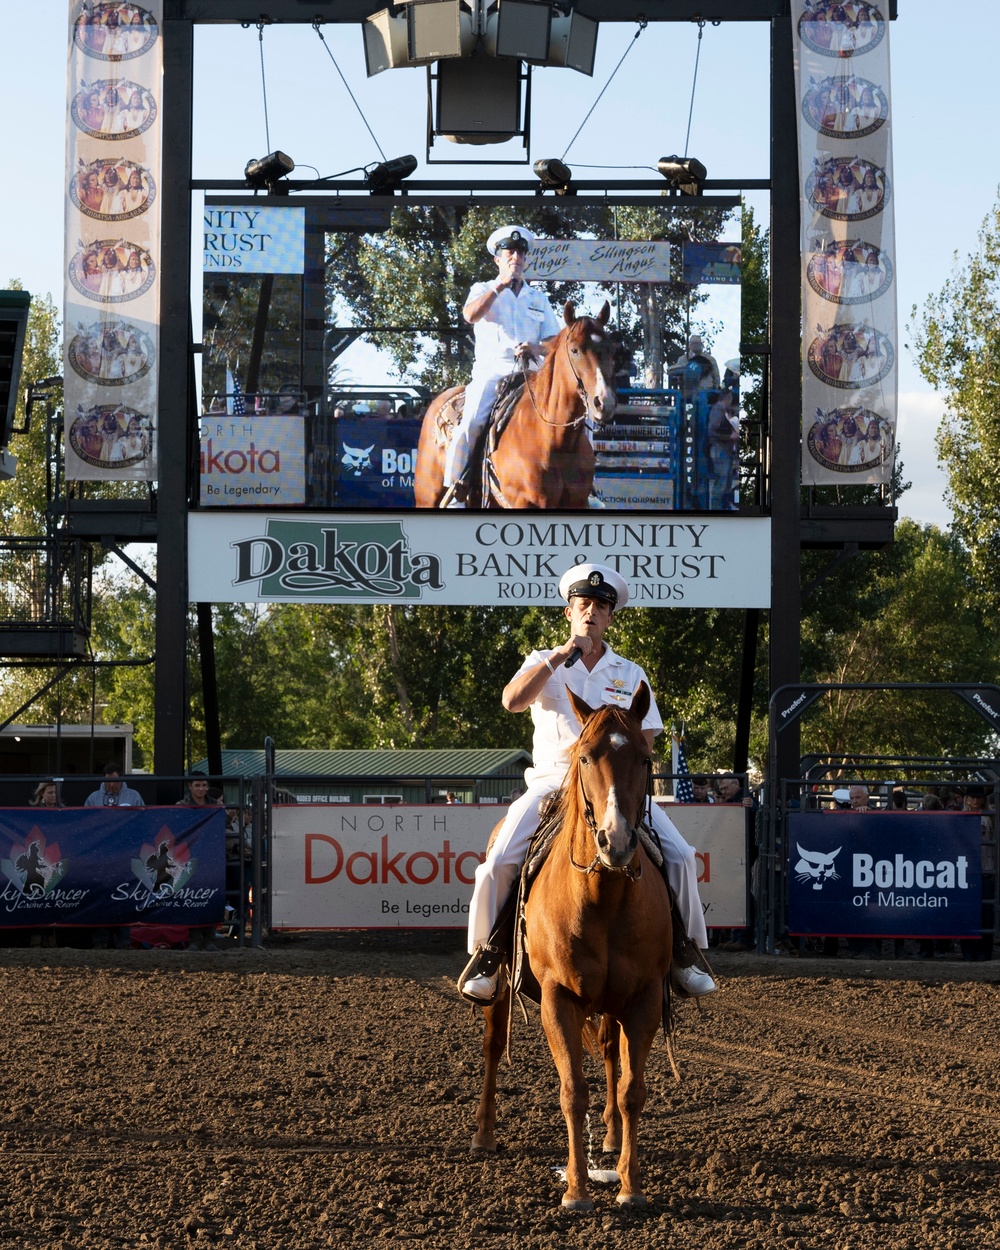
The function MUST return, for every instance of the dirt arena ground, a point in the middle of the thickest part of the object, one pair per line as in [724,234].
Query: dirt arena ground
[321,1092]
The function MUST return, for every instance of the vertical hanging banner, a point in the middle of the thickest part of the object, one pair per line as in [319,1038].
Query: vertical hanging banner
[112,254]
[849,341]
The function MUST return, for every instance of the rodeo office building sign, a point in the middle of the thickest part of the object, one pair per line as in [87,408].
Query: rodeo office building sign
[377,868]
[489,559]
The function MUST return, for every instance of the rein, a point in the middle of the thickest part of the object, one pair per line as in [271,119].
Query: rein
[581,391]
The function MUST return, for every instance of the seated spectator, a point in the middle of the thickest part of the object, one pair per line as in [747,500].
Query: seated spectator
[898,802]
[113,792]
[931,803]
[45,795]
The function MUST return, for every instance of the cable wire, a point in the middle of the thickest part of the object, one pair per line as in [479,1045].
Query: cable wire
[347,88]
[694,83]
[642,26]
[263,85]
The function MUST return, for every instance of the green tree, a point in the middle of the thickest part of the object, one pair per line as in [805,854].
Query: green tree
[909,613]
[956,342]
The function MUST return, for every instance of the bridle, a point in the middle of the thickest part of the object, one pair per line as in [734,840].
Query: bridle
[580,388]
[596,864]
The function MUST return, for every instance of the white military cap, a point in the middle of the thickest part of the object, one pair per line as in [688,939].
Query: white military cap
[594,581]
[506,235]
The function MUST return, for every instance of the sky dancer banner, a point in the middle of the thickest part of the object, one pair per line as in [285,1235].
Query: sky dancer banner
[112,239]
[889,874]
[495,558]
[849,330]
[112,866]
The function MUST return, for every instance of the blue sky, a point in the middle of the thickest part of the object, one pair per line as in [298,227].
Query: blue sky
[940,75]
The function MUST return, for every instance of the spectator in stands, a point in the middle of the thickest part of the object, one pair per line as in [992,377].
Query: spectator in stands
[701,790]
[898,801]
[202,936]
[45,795]
[931,803]
[113,792]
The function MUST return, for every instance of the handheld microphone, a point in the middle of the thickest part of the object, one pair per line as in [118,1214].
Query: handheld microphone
[572,658]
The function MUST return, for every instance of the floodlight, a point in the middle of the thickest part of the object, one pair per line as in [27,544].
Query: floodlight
[573,42]
[268,171]
[520,29]
[385,41]
[385,178]
[684,173]
[553,173]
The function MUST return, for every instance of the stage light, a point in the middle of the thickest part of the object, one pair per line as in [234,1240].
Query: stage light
[268,171]
[386,178]
[553,173]
[520,29]
[573,42]
[684,173]
[385,41]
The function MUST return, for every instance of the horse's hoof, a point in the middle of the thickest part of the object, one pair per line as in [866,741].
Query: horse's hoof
[485,1145]
[631,1200]
[577,1204]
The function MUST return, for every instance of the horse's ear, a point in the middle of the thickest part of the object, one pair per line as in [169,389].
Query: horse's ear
[569,312]
[640,702]
[605,314]
[581,707]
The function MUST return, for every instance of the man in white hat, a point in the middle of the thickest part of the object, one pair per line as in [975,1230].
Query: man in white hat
[512,322]
[593,593]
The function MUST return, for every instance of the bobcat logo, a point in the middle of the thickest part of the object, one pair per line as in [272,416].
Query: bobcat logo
[816,866]
[357,458]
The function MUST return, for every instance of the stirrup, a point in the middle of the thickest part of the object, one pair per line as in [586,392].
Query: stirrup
[485,961]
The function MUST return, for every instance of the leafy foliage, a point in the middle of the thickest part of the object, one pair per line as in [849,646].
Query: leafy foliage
[956,341]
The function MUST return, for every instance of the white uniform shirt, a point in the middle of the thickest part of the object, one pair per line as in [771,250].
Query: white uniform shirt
[612,680]
[511,319]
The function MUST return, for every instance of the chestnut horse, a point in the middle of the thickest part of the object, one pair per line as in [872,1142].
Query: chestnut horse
[545,458]
[598,935]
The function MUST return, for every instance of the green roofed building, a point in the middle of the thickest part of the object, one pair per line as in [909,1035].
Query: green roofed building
[385,776]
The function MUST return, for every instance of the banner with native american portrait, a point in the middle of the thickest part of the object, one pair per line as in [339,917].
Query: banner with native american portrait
[849,334]
[111,301]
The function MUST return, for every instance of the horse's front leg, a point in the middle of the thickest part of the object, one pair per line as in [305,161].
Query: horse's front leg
[609,1039]
[639,1028]
[494,1040]
[562,1019]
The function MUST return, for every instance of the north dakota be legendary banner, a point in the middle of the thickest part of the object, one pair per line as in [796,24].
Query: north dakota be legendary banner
[112,866]
[849,341]
[111,300]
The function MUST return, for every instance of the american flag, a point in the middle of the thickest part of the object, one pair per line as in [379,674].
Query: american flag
[683,793]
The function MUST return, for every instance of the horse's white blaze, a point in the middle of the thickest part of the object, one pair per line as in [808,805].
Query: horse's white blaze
[618,741]
[615,824]
[605,399]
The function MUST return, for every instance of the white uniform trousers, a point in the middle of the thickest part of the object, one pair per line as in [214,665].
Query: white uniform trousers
[495,877]
[479,397]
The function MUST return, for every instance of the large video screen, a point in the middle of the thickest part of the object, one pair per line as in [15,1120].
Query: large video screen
[600,365]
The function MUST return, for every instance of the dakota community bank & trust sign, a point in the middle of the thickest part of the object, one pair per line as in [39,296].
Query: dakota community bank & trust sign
[484,558]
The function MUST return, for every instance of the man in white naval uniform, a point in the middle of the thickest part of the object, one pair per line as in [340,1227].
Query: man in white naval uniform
[511,322]
[592,593]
